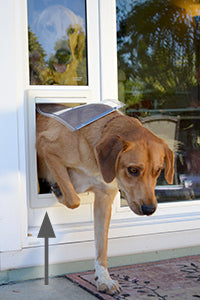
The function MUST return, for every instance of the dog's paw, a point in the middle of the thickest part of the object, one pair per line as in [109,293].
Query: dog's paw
[56,190]
[111,287]
[104,283]
[70,202]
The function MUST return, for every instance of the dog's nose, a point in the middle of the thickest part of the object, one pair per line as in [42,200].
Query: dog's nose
[148,209]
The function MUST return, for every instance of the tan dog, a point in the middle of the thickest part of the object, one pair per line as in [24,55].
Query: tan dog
[114,152]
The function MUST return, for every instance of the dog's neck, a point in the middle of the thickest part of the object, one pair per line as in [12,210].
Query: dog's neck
[108,122]
[127,126]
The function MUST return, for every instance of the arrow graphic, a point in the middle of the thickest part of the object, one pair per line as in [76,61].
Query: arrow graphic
[46,232]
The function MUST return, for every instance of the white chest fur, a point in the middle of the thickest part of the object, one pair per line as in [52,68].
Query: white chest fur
[83,181]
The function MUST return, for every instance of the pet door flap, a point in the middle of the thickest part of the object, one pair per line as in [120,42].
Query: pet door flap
[75,118]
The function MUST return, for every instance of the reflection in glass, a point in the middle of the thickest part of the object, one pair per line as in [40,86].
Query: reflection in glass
[159,80]
[57,42]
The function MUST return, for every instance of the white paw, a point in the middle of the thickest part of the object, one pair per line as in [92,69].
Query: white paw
[104,282]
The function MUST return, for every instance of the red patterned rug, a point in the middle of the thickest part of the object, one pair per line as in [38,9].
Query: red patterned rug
[177,279]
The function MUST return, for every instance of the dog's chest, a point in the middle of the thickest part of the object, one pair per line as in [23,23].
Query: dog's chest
[83,181]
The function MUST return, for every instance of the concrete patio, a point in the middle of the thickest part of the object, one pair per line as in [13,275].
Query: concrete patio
[59,288]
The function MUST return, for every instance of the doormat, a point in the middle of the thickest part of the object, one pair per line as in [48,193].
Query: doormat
[163,280]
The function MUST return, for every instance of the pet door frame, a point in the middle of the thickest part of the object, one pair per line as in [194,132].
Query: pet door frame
[38,200]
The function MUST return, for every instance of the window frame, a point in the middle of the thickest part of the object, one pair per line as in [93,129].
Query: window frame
[92,54]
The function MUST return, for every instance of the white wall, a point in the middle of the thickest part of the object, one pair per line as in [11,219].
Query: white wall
[9,156]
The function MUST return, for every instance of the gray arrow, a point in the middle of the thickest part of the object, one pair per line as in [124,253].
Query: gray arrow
[46,232]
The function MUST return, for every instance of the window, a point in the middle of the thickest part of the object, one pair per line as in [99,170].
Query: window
[57,37]
[158,78]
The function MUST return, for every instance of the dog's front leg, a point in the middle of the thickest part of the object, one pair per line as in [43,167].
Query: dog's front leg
[68,195]
[102,214]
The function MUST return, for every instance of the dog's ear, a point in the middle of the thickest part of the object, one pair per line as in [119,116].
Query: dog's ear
[169,164]
[107,154]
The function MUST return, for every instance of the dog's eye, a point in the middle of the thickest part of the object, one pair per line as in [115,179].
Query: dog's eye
[133,171]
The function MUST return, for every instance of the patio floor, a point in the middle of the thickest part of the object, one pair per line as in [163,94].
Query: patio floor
[162,280]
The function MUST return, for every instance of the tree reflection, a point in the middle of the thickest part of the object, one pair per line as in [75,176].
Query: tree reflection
[157,54]
[36,58]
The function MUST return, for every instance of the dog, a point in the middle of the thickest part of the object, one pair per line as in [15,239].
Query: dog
[112,153]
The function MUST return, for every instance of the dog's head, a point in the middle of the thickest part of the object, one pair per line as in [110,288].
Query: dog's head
[136,165]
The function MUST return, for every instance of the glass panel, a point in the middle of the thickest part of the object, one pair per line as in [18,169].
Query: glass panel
[159,80]
[57,42]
